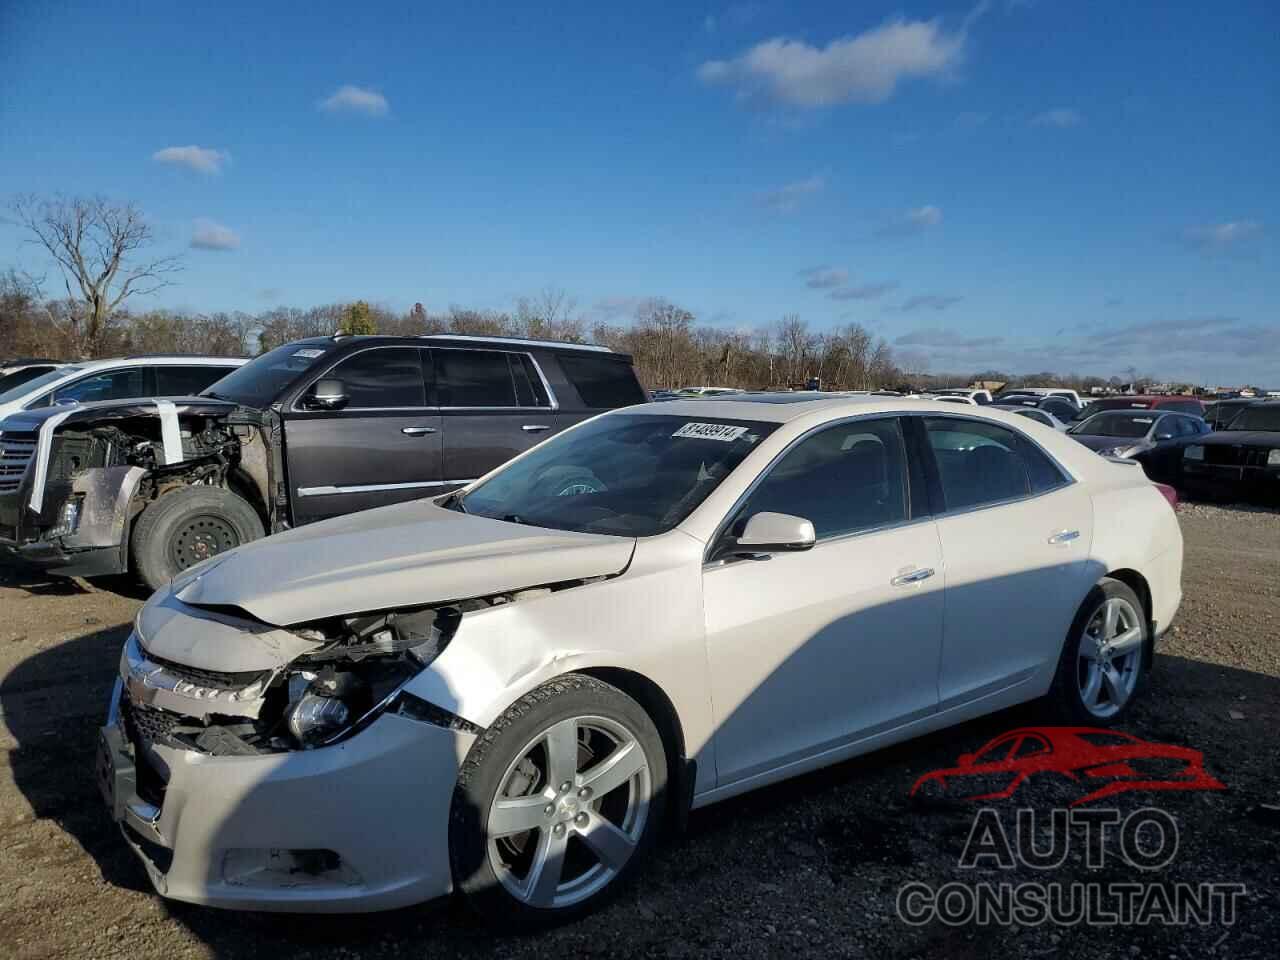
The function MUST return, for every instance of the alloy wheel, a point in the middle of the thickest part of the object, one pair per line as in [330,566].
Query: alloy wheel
[1110,657]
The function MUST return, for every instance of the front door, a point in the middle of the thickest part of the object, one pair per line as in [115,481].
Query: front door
[810,651]
[383,446]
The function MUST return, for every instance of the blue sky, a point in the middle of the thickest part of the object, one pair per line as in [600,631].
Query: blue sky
[1018,183]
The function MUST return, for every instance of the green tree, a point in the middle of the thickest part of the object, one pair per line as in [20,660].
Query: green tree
[357,320]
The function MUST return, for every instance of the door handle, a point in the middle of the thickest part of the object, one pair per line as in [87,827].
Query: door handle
[417,431]
[535,427]
[1064,536]
[915,576]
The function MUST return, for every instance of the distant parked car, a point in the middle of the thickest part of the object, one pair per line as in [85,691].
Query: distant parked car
[123,378]
[1218,415]
[1033,413]
[1061,407]
[1154,439]
[950,398]
[19,370]
[978,397]
[1165,403]
[1071,395]
[1240,462]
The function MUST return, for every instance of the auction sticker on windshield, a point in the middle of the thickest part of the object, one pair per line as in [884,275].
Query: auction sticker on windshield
[711,431]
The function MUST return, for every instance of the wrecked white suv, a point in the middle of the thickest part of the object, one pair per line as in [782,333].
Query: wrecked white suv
[511,689]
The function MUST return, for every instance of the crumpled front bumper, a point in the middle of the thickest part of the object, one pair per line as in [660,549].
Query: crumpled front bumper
[357,826]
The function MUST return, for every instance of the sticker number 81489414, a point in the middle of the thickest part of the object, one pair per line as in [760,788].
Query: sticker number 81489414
[711,431]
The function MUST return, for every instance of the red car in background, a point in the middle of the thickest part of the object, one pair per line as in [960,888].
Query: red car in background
[1102,763]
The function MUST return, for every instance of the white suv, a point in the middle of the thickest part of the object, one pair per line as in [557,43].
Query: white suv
[124,378]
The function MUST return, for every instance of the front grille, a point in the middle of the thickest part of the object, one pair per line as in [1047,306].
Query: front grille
[148,725]
[16,453]
[1236,456]
[208,678]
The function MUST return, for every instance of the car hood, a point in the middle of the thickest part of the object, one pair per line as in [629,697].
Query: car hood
[397,556]
[33,420]
[1244,438]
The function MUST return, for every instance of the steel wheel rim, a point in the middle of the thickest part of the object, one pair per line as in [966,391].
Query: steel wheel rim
[200,538]
[1110,657]
[559,832]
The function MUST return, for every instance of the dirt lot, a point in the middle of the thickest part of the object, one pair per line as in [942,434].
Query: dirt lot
[811,867]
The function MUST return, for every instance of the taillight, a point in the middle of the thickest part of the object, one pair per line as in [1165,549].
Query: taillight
[1169,493]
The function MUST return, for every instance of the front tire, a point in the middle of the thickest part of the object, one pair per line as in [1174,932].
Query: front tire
[186,526]
[558,804]
[1104,660]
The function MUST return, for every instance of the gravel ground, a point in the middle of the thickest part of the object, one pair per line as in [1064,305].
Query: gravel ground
[811,866]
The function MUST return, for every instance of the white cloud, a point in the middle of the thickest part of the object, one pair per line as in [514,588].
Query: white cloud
[353,99]
[214,236]
[200,159]
[910,222]
[788,197]
[865,68]
[1234,237]
[1062,118]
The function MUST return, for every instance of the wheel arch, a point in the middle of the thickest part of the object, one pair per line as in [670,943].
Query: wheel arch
[1136,582]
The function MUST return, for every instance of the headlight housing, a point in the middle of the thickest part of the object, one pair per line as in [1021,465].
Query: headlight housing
[1195,451]
[1273,458]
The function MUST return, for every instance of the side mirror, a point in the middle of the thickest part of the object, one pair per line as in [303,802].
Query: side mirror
[1164,436]
[775,533]
[66,402]
[327,395]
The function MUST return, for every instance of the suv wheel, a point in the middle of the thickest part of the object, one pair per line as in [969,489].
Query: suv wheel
[186,526]
[557,804]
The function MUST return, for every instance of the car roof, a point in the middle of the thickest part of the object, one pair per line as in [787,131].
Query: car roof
[780,407]
[161,360]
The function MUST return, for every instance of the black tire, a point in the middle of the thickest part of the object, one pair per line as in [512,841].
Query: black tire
[488,765]
[568,482]
[186,526]
[1065,700]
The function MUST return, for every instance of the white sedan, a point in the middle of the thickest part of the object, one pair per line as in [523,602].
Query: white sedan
[511,690]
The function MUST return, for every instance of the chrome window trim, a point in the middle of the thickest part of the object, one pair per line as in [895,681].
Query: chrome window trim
[328,491]
[1069,479]
[553,404]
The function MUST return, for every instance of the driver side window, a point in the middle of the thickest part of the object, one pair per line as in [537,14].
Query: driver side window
[844,479]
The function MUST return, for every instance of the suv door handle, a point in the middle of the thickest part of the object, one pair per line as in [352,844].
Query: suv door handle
[535,427]
[417,431]
[915,576]
[1064,536]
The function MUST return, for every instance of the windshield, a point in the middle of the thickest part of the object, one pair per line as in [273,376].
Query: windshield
[1097,406]
[34,386]
[1115,425]
[260,381]
[629,475]
[1257,418]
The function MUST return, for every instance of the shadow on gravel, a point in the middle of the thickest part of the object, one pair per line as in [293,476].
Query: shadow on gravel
[41,584]
[841,833]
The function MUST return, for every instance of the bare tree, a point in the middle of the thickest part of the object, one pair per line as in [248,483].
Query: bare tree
[96,245]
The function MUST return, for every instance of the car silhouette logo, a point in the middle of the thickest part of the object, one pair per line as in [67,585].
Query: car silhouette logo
[1098,763]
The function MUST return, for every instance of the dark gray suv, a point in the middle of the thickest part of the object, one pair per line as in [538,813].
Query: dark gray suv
[313,429]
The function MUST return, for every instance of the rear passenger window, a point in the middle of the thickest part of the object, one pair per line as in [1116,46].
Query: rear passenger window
[843,479]
[116,385]
[187,381]
[981,463]
[381,378]
[474,378]
[602,381]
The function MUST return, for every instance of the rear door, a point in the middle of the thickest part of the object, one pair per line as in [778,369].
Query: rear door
[494,405]
[1016,531]
[383,446]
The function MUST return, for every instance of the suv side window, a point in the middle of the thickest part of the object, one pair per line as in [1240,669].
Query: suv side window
[187,381]
[981,463]
[474,378]
[844,479]
[109,385]
[384,377]
[601,380]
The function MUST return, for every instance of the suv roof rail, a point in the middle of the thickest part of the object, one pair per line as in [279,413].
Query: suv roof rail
[522,341]
[162,356]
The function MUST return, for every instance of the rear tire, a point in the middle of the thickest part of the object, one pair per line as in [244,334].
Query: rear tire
[1104,661]
[186,526]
